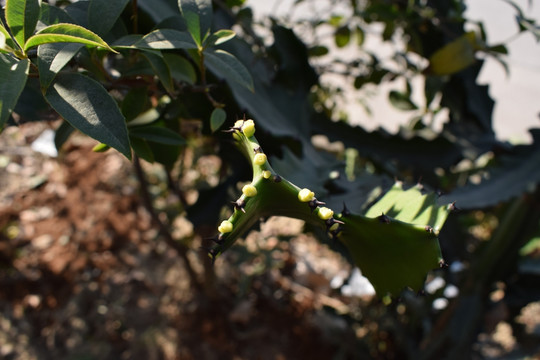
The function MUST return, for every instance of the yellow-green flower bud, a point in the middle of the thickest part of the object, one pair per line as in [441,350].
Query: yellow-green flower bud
[225,227]
[248,128]
[249,190]
[325,213]
[305,195]
[259,159]
[266,174]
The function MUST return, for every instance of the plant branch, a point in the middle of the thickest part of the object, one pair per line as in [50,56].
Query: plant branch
[164,231]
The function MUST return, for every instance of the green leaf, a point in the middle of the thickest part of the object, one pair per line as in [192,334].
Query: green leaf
[181,69]
[101,147]
[161,70]
[86,105]
[219,37]
[157,134]
[227,66]
[198,16]
[165,39]
[102,14]
[13,73]
[135,102]
[65,33]
[22,17]
[401,101]
[8,43]
[342,36]
[217,118]
[454,56]
[51,15]
[52,58]
[142,149]
[63,133]
[318,50]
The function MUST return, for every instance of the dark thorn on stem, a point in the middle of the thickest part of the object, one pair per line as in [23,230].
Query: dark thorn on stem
[429,229]
[453,207]
[345,212]
[239,205]
[384,219]
[313,204]
[257,149]
[277,178]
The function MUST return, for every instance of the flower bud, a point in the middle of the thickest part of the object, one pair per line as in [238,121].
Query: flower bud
[225,227]
[305,195]
[259,159]
[248,128]
[249,190]
[266,174]
[325,213]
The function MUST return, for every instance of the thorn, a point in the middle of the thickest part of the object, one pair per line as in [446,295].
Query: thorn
[333,221]
[345,212]
[453,207]
[257,149]
[429,229]
[443,264]
[239,205]
[313,204]
[384,219]
[277,178]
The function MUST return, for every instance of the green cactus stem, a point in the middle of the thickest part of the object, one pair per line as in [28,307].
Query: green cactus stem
[394,243]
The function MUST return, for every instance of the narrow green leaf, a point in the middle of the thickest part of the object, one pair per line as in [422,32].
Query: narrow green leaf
[317,50]
[198,16]
[181,68]
[102,14]
[401,101]
[52,58]
[227,66]
[13,73]
[65,33]
[217,118]
[219,37]
[164,39]
[101,147]
[86,105]
[157,134]
[160,69]
[22,18]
